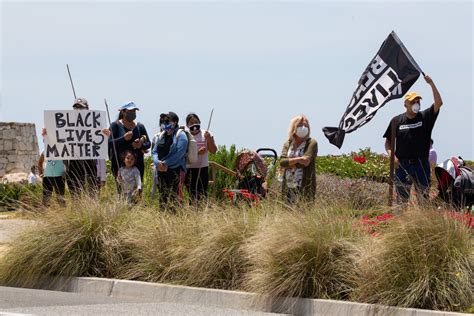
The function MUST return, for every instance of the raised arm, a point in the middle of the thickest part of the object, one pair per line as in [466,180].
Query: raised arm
[438,102]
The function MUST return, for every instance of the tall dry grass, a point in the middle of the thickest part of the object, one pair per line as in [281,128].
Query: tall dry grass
[218,260]
[156,243]
[79,240]
[423,260]
[303,254]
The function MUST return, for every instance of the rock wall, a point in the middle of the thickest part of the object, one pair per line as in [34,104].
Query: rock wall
[18,147]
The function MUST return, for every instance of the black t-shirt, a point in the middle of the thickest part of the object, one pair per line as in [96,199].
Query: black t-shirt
[163,145]
[413,135]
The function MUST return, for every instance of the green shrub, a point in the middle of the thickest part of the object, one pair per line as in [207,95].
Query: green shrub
[376,167]
[223,180]
[423,260]
[17,195]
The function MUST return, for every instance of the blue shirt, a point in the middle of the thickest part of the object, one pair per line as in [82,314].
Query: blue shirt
[176,158]
[54,168]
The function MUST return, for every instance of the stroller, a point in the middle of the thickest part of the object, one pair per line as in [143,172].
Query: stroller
[252,171]
[455,183]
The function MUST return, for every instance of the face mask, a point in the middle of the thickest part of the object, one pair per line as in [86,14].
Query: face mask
[168,126]
[194,128]
[302,131]
[415,107]
[130,116]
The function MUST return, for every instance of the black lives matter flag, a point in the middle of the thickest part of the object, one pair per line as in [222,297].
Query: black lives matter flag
[388,76]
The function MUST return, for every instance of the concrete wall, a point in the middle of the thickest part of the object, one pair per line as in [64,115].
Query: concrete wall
[18,147]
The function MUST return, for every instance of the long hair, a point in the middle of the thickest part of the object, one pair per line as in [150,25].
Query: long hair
[294,123]
[191,116]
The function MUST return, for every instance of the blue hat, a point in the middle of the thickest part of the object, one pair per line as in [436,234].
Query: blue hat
[129,106]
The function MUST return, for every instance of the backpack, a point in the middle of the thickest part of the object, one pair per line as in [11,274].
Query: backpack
[192,150]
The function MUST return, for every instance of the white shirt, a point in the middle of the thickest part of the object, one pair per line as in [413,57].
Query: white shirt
[32,178]
[203,160]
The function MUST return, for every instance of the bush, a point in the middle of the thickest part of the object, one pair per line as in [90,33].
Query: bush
[81,240]
[223,180]
[18,195]
[423,260]
[376,166]
[303,254]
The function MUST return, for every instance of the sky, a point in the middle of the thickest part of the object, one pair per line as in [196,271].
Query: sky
[256,63]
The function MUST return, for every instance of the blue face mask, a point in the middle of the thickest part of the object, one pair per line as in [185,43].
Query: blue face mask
[168,126]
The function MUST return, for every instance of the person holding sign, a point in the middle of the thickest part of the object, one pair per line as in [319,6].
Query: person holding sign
[298,160]
[169,157]
[412,144]
[81,174]
[128,135]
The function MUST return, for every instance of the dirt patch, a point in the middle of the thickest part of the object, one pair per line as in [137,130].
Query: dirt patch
[3,250]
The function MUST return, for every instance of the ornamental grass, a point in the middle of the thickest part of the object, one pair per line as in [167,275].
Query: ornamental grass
[424,259]
[305,254]
[79,240]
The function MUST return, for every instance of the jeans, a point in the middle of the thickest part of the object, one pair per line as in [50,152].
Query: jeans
[410,172]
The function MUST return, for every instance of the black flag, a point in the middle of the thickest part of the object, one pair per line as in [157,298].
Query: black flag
[388,76]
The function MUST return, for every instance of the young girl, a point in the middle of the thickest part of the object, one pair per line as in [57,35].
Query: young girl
[197,176]
[129,178]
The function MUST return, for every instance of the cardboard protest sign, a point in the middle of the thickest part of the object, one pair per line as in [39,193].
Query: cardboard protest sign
[388,76]
[75,135]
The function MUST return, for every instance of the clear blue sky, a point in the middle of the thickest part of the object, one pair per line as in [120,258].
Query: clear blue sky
[257,64]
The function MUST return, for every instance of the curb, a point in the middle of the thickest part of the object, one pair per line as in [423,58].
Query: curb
[158,292]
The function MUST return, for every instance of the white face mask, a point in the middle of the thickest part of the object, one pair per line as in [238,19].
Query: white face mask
[302,131]
[415,107]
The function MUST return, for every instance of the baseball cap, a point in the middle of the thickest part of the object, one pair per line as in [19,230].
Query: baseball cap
[80,103]
[410,96]
[129,106]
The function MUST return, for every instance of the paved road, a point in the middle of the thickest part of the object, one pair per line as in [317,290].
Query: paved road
[10,227]
[16,301]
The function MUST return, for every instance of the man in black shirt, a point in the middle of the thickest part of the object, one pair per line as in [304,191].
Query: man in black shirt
[412,143]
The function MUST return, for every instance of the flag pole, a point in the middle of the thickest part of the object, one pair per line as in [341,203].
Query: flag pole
[392,161]
[70,79]
[112,135]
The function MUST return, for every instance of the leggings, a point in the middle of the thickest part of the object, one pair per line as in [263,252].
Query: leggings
[197,180]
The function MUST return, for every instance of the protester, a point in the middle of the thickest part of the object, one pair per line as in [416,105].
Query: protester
[81,175]
[129,178]
[53,172]
[128,135]
[413,133]
[433,156]
[153,142]
[33,177]
[169,157]
[197,176]
[298,159]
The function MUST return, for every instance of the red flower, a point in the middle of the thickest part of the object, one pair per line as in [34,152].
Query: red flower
[359,159]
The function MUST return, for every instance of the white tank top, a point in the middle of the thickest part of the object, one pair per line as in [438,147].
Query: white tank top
[203,160]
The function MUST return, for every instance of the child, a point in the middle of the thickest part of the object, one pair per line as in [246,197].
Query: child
[33,177]
[129,178]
